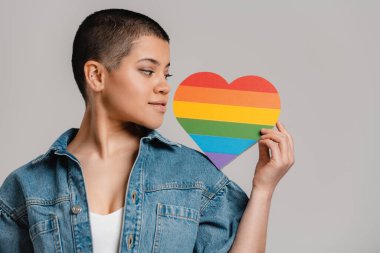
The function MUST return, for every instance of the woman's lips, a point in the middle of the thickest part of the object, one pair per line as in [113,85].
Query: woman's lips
[159,107]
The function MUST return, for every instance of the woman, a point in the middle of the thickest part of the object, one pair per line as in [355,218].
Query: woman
[116,184]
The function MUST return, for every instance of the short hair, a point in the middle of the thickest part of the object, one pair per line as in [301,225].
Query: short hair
[106,36]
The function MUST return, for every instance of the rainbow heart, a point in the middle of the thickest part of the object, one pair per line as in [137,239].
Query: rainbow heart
[225,119]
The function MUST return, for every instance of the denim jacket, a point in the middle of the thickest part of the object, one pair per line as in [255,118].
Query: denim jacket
[176,201]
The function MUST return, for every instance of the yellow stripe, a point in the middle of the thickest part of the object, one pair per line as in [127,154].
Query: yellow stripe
[228,113]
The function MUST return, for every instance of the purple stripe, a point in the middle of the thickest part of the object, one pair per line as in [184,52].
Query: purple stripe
[220,160]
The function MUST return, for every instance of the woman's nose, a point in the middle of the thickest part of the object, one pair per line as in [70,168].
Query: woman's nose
[163,87]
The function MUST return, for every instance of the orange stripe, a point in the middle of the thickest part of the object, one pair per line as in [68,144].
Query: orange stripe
[227,97]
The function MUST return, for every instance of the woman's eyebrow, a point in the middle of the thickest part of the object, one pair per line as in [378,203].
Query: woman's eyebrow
[154,61]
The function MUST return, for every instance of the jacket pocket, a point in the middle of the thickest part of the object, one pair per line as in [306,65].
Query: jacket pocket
[176,229]
[45,236]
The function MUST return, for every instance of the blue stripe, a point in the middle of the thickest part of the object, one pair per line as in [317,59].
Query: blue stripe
[220,144]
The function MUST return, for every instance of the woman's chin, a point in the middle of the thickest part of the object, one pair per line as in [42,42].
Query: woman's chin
[153,125]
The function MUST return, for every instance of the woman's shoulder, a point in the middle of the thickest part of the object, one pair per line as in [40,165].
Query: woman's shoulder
[21,173]
[187,164]
[11,190]
[185,153]
[25,179]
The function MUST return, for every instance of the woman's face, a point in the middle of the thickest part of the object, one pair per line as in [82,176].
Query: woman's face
[132,90]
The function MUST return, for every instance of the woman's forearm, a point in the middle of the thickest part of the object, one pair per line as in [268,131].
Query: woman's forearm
[252,231]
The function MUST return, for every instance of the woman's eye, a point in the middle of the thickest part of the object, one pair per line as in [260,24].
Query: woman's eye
[150,72]
[147,72]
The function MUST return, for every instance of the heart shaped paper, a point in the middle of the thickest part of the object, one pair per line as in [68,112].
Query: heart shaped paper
[225,119]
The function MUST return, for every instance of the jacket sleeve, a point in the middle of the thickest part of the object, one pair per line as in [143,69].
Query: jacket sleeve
[14,232]
[220,218]
[13,237]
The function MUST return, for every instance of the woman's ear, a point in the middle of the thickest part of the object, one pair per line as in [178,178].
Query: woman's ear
[94,75]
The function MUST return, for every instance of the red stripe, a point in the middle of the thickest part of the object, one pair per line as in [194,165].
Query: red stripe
[246,83]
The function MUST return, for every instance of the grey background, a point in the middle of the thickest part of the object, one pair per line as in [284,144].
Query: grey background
[322,56]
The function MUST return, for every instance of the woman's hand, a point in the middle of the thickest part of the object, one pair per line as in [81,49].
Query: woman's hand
[270,169]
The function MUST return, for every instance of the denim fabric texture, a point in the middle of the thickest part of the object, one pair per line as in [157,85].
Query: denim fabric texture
[182,203]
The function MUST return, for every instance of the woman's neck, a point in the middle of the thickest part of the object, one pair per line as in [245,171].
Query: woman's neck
[101,138]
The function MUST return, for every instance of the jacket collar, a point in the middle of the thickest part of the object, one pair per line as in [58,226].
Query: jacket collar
[60,144]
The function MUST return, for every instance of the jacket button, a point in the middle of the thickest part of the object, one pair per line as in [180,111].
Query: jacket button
[130,241]
[134,197]
[76,209]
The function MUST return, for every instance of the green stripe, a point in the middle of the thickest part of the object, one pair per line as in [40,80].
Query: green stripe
[222,128]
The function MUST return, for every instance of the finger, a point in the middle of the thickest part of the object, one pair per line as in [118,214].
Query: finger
[283,144]
[290,141]
[275,151]
[282,129]
[263,151]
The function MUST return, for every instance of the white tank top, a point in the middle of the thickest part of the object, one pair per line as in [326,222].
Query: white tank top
[105,230]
